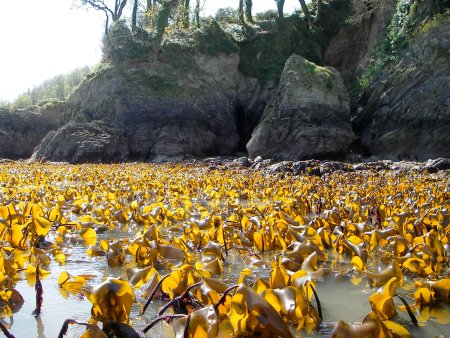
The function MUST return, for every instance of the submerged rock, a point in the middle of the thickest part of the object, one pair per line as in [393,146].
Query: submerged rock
[308,116]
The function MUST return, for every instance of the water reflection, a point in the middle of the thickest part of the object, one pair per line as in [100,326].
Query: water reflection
[40,327]
[343,297]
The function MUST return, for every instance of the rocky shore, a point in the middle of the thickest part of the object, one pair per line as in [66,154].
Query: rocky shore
[191,103]
[317,167]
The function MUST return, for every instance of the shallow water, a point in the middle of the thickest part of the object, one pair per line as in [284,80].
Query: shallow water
[340,300]
[342,297]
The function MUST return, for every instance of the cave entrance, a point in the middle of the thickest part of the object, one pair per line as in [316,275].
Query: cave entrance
[246,122]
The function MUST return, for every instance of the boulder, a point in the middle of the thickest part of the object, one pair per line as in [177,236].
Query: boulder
[438,164]
[83,142]
[307,117]
[405,111]
[22,130]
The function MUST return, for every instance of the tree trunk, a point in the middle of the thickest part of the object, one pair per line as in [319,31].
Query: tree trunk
[241,11]
[118,9]
[197,13]
[305,11]
[280,6]
[134,16]
[114,12]
[162,22]
[106,24]
[319,11]
[248,11]
[187,7]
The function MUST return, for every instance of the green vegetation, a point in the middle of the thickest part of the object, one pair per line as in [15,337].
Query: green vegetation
[313,74]
[264,56]
[410,19]
[212,40]
[120,44]
[428,26]
[99,70]
[263,45]
[227,15]
[268,15]
[5,105]
[56,88]
[164,32]
[23,101]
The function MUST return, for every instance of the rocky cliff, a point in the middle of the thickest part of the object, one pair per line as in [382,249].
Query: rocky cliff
[190,102]
[212,92]
[405,111]
[308,116]
[22,130]
[162,113]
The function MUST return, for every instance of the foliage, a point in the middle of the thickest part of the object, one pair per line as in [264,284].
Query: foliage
[264,57]
[271,49]
[148,19]
[227,15]
[5,105]
[407,22]
[268,15]
[56,88]
[23,101]
[212,40]
[120,44]
[428,26]
[179,225]
[100,69]
[181,46]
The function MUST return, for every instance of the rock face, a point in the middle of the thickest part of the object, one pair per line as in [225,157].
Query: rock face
[83,142]
[22,131]
[309,116]
[350,50]
[252,98]
[161,112]
[405,112]
[205,93]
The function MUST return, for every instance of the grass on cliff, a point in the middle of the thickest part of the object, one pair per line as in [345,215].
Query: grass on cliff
[411,20]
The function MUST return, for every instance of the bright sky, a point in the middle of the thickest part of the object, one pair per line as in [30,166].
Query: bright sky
[44,38]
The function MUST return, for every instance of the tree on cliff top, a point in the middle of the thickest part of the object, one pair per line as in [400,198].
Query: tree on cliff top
[113,12]
[248,11]
[162,21]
